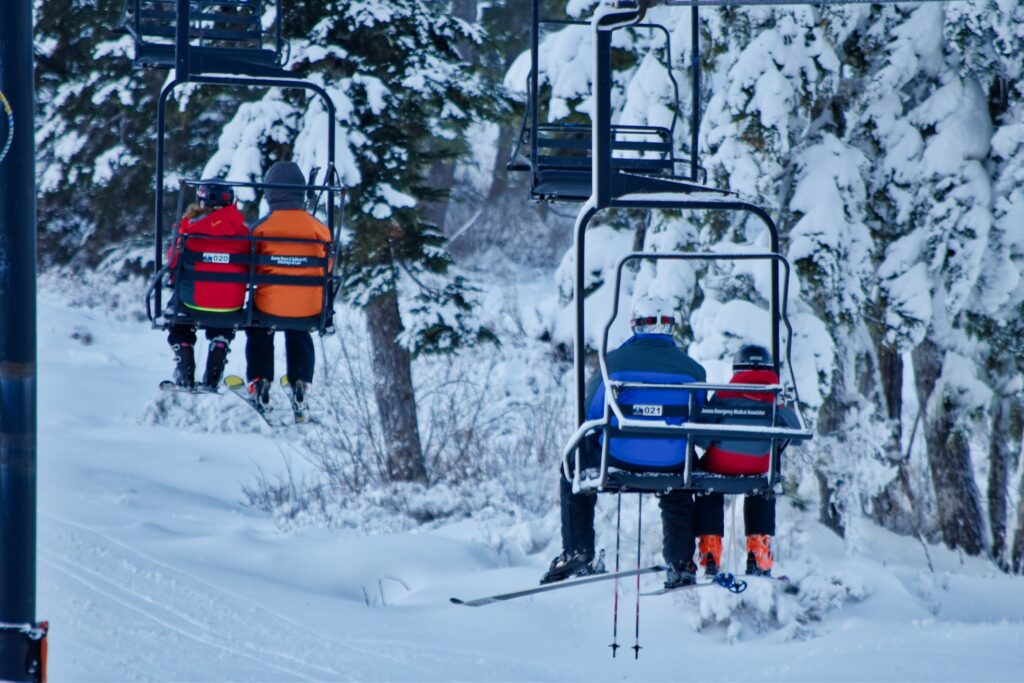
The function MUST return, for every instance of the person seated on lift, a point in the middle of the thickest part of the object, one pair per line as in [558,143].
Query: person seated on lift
[287,220]
[650,355]
[752,364]
[213,214]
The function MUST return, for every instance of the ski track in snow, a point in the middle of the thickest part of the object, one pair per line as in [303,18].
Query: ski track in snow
[152,569]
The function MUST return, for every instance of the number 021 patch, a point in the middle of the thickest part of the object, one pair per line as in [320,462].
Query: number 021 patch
[647,410]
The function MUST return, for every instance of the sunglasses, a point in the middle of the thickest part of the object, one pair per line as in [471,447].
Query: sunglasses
[654,320]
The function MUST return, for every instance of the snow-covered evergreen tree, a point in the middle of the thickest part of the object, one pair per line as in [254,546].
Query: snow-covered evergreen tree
[95,139]
[405,100]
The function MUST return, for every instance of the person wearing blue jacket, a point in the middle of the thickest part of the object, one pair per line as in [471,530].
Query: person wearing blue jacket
[650,355]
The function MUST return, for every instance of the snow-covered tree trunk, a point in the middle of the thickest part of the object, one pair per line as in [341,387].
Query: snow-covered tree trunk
[1017,552]
[393,389]
[947,442]
[1004,443]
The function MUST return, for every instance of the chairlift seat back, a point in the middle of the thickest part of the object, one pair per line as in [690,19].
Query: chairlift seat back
[649,452]
[738,456]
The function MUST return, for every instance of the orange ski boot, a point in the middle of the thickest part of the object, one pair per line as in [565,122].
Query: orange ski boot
[759,555]
[710,552]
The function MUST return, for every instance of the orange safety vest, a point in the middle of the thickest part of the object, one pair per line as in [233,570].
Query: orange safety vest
[290,301]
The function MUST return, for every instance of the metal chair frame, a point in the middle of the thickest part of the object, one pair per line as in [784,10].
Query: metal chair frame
[615,421]
[248,316]
[613,189]
[558,177]
[239,37]
[204,65]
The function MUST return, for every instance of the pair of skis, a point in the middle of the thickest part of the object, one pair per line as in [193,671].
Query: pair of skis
[240,388]
[722,580]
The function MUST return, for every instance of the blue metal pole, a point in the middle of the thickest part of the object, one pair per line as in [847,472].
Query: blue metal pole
[17,342]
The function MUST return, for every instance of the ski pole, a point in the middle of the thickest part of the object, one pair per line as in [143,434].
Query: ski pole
[639,536]
[615,610]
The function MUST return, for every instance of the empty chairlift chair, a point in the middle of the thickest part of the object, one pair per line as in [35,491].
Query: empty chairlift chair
[559,155]
[224,36]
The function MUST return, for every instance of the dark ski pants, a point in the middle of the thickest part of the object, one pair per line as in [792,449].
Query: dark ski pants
[578,522]
[677,527]
[758,515]
[259,355]
[577,518]
[186,334]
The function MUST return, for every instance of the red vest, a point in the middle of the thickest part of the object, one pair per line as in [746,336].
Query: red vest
[725,460]
[213,296]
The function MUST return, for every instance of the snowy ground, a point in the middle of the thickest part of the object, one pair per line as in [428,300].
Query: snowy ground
[152,568]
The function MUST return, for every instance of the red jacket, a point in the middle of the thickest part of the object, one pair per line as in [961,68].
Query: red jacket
[212,296]
[744,456]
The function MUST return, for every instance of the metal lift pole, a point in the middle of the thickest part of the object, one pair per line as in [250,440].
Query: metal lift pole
[17,344]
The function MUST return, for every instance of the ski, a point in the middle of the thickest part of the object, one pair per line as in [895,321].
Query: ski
[722,580]
[300,412]
[168,385]
[662,591]
[240,388]
[558,585]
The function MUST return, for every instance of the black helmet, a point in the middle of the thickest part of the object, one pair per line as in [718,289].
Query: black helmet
[215,193]
[753,357]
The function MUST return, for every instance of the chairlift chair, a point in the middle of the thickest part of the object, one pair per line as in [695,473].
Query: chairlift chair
[223,36]
[559,155]
[614,187]
[249,316]
[225,43]
[676,413]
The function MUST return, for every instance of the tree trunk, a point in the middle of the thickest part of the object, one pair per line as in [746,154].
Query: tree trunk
[957,499]
[442,173]
[440,177]
[829,512]
[999,477]
[499,174]
[392,387]
[830,423]
[893,508]
[1017,553]
[890,369]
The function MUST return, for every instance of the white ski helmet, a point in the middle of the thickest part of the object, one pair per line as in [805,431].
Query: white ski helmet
[652,315]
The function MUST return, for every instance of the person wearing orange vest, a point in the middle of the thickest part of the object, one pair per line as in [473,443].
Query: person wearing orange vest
[288,219]
[212,216]
[752,364]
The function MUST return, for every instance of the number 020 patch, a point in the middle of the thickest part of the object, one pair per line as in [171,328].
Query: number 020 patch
[214,257]
[647,410]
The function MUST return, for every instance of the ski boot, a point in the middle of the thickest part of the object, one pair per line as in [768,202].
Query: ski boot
[259,394]
[759,555]
[216,359]
[184,365]
[297,393]
[579,563]
[710,551]
[681,574]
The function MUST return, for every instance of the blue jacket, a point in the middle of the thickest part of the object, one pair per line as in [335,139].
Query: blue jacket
[656,359]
